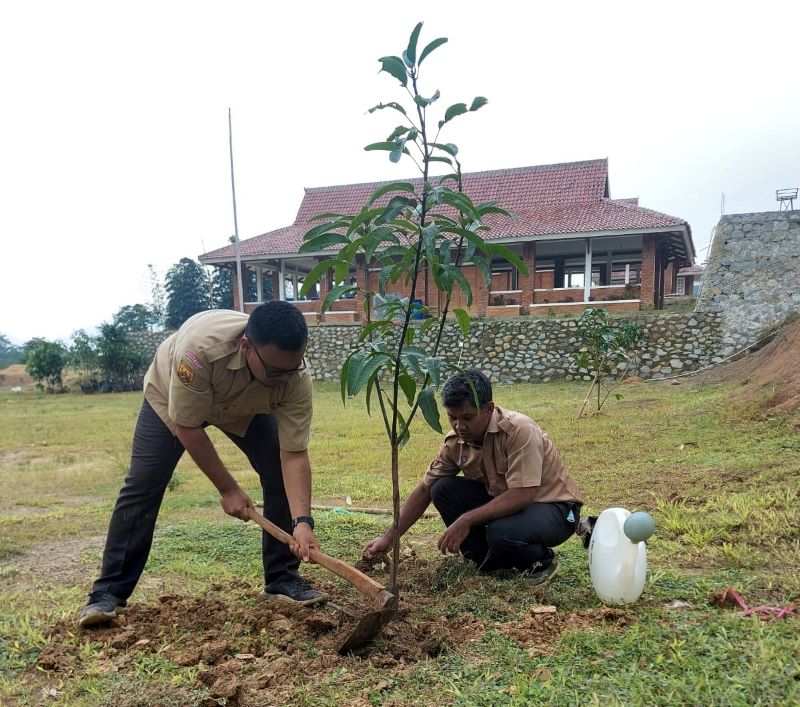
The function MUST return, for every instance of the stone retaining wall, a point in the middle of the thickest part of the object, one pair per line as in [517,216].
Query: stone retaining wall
[752,279]
[534,350]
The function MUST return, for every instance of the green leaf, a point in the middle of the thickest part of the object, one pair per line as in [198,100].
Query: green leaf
[356,362]
[505,252]
[364,216]
[388,146]
[490,207]
[412,357]
[368,329]
[431,46]
[444,252]
[322,242]
[478,102]
[411,50]
[343,377]
[455,110]
[336,292]
[436,158]
[394,65]
[409,387]
[423,102]
[369,369]
[316,273]
[430,411]
[392,104]
[394,208]
[463,321]
[433,365]
[483,267]
[398,131]
[447,147]
[458,276]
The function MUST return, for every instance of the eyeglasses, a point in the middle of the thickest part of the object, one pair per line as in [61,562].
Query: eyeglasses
[272,372]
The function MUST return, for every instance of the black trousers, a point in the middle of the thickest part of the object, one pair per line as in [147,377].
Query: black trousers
[154,456]
[516,541]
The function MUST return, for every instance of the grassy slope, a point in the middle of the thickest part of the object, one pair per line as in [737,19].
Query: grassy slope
[722,483]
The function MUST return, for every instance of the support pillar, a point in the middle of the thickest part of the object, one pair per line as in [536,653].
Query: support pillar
[587,271]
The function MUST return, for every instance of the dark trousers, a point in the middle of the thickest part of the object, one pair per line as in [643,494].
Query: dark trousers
[154,456]
[515,541]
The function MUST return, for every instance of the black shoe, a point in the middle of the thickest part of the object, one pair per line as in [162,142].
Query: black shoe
[539,574]
[102,607]
[296,590]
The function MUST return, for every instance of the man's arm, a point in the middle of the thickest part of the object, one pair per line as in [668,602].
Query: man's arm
[506,504]
[296,468]
[416,503]
[235,502]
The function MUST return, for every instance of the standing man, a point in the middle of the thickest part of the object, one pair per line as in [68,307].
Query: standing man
[246,376]
[515,500]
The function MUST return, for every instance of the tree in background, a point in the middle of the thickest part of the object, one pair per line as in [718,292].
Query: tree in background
[403,230]
[9,353]
[135,317]
[187,292]
[158,298]
[84,358]
[45,362]
[222,288]
[121,366]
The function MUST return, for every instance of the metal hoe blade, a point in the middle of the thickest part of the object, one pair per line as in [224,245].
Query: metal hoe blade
[384,606]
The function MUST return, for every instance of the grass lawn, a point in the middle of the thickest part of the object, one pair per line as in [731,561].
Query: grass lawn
[721,480]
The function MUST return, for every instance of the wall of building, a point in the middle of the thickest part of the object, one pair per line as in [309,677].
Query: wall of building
[752,278]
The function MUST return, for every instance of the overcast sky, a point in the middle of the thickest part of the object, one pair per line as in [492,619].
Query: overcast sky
[114,134]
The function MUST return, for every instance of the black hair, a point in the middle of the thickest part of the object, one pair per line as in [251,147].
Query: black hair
[279,323]
[457,390]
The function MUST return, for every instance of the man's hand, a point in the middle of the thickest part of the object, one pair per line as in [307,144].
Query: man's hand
[455,534]
[237,503]
[377,546]
[304,540]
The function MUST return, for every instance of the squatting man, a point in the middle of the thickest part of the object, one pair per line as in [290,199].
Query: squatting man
[245,375]
[513,502]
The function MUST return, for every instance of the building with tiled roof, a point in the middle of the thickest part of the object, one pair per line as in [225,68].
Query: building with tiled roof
[579,244]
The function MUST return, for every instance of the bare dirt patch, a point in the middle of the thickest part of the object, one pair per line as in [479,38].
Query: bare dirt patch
[62,562]
[253,650]
[14,376]
[772,372]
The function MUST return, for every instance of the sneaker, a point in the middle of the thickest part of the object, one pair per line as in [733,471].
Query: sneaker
[539,575]
[102,607]
[296,590]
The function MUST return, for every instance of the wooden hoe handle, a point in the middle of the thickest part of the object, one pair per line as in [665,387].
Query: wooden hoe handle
[364,584]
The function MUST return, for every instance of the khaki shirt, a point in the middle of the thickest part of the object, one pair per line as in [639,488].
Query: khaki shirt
[199,375]
[516,453]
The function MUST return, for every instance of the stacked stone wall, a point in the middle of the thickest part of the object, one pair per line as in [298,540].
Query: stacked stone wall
[752,278]
[524,350]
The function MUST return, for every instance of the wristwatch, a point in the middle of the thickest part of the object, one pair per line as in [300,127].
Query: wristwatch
[303,519]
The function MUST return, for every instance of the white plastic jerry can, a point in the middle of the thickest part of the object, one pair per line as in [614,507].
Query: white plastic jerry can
[617,566]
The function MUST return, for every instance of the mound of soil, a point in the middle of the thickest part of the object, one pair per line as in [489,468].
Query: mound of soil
[250,649]
[14,376]
[772,371]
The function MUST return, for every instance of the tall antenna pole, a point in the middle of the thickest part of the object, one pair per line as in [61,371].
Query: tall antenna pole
[235,221]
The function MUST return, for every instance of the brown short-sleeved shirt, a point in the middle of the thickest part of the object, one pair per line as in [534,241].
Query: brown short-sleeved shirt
[515,453]
[199,375]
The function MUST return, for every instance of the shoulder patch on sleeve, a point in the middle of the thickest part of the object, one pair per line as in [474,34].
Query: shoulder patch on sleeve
[185,373]
[194,359]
